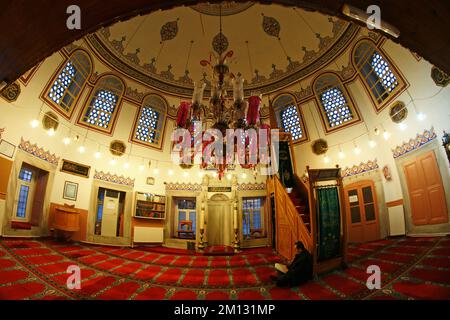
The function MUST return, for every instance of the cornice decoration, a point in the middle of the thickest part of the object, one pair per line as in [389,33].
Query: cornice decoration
[113,178]
[38,152]
[227,8]
[251,186]
[347,72]
[183,187]
[111,51]
[414,144]
[304,93]
[359,169]
[134,94]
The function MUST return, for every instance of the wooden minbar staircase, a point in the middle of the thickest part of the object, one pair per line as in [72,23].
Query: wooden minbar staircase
[296,215]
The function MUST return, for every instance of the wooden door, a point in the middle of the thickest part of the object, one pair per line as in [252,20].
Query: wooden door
[426,191]
[362,212]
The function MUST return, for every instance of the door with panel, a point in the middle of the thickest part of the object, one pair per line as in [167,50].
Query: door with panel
[362,212]
[426,190]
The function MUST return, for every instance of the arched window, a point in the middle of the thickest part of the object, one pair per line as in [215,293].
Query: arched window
[289,117]
[381,80]
[336,108]
[150,122]
[69,82]
[103,104]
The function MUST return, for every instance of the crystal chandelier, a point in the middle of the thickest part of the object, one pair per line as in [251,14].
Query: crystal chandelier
[220,114]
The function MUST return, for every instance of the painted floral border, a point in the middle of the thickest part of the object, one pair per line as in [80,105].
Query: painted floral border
[38,152]
[361,168]
[414,144]
[251,186]
[113,178]
[184,186]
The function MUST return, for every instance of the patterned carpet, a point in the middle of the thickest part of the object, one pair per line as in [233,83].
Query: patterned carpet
[412,268]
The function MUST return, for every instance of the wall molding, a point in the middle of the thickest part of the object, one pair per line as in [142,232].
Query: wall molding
[183,187]
[251,186]
[38,152]
[413,144]
[113,178]
[359,169]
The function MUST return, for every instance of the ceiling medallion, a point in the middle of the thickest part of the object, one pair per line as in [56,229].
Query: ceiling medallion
[320,147]
[271,26]
[117,148]
[440,77]
[398,112]
[50,121]
[169,31]
[220,43]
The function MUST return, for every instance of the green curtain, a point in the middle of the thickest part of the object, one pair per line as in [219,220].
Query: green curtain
[329,227]
[286,172]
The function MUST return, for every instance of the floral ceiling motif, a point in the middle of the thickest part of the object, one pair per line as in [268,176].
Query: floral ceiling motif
[271,26]
[220,43]
[169,31]
[168,60]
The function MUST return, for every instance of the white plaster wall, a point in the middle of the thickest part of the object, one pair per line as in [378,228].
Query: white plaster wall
[429,98]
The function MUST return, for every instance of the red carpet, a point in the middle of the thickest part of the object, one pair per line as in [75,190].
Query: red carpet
[412,268]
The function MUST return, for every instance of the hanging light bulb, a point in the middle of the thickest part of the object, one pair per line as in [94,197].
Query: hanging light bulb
[156,171]
[185,174]
[126,165]
[376,131]
[372,143]
[244,176]
[421,116]
[34,123]
[170,172]
[51,132]
[357,150]
[215,175]
[402,126]
[326,159]
[82,149]
[113,162]
[97,155]
[386,135]
[201,174]
[229,176]
[76,138]
[141,167]
[66,141]
[341,155]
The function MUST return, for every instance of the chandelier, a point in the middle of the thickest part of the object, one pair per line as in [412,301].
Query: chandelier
[221,113]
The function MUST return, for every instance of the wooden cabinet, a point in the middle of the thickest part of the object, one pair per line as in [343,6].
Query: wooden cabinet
[66,219]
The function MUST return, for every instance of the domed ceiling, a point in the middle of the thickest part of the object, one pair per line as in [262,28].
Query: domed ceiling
[273,46]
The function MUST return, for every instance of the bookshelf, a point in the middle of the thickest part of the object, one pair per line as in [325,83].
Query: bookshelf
[150,206]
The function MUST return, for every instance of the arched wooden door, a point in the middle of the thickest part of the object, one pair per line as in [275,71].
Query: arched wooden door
[362,212]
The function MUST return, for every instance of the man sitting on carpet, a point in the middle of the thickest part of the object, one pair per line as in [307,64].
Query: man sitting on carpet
[298,272]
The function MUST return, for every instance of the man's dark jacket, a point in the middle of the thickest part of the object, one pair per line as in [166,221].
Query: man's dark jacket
[299,271]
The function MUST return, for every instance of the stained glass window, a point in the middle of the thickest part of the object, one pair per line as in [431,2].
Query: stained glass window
[289,116]
[149,124]
[375,70]
[25,175]
[383,71]
[147,127]
[336,107]
[101,109]
[22,202]
[252,218]
[291,122]
[69,82]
